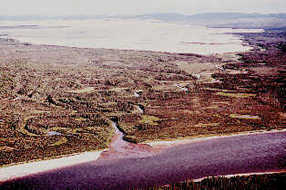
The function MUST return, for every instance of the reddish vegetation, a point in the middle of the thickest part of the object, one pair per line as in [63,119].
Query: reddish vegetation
[207,107]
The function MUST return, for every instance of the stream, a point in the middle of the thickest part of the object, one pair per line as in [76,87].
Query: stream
[136,95]
[139,109]
[120,148]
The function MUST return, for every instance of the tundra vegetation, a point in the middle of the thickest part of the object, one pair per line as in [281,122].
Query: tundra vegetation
[61,100]
[253,182]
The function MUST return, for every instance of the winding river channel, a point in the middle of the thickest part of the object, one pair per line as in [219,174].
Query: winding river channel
[120,148]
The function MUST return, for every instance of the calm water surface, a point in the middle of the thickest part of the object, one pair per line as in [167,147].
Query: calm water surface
[127,34]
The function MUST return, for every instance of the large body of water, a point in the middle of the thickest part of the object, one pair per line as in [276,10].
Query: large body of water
[126,34]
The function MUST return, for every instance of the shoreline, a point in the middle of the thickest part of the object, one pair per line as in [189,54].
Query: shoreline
[243,174]
[188,140]
[190,163]
[229,32]
[15,171]
[20,42]
[85,157]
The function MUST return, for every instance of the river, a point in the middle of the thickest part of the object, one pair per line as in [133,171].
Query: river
[264,152]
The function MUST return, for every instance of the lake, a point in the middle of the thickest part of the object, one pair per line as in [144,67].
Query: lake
[127,34]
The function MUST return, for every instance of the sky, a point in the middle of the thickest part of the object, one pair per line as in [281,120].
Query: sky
[133,7]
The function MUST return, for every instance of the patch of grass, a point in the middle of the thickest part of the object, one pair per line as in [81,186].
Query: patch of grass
[80,119]
[60,129]
[128,128]
[238,116]
[207,124]
[212,107]
[118,89]
[62,140]
[236,95]
[84,90]
[217,89]
[149,120]
[39,112]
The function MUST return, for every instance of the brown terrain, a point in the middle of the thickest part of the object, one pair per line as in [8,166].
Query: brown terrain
[58,100]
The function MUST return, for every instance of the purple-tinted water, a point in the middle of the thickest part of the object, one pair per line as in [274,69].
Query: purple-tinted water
[221,156]
[120,148]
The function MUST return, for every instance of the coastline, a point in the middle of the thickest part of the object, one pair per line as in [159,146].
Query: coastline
[243,174]
[188,140]
[170,41]
[12,172]
[34,167]
[174,164]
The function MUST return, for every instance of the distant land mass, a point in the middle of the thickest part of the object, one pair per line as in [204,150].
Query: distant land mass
[232,20]
[225,19]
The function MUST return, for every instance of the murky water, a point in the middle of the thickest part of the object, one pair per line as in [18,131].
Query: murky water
[213,157]
[53,133]
[126,34]
[120,148]
[136,94]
